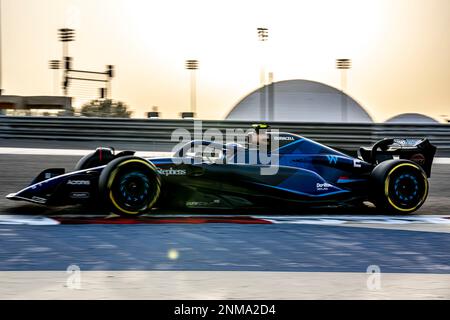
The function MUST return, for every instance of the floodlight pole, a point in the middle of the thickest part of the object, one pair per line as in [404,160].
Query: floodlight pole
[263,36]
[55,65]
[192,66]
[344,65]
[271,98]
[66,35]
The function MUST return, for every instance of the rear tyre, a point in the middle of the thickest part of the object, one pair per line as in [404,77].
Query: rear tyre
[130,186]
[399,186]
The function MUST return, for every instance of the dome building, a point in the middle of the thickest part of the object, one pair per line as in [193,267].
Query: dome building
[411,118]
[299,101]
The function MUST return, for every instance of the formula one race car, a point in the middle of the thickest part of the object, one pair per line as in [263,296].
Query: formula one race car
[392,174]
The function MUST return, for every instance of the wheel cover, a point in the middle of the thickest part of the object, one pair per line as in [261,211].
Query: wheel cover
[133,192]
[406,189]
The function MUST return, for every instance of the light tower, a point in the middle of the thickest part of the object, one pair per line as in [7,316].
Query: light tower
[66,35]
[55,65]
[344,65]
[263,36]
[192,66]
[110,74]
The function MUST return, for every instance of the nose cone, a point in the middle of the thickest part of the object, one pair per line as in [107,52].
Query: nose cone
[18,196]
[11,196]
[28,194]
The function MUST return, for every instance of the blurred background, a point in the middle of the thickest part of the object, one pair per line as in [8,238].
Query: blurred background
[322,61]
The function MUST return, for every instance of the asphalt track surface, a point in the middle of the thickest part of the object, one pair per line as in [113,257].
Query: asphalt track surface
[223,247]
[219,247]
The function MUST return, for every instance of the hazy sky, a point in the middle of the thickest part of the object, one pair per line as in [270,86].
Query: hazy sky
[400,49]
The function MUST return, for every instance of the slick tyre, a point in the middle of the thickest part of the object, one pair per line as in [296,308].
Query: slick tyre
[130,186]
[398,186]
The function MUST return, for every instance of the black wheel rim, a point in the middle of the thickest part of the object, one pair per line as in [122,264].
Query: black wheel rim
[407,188]
[133,190]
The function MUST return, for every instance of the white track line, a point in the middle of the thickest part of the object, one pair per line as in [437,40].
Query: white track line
[27,220]
[346,219]
[82,152]
[312,220]
[70,152]
[441,160]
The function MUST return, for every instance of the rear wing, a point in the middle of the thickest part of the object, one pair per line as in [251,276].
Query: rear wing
[420,151]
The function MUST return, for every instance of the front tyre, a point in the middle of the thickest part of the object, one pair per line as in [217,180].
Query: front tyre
[399,186]
[130,186]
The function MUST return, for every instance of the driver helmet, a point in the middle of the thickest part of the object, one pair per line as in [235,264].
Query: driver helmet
[259,136]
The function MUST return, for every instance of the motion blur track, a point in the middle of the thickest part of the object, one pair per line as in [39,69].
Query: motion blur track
[323,255]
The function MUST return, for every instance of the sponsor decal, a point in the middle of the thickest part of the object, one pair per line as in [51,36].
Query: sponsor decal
[323,186]
[332,159]
[197,204]
[356,163]
[79,182]
[407,142]
[202,203]
[171,172]
[80,195]
[283,138]
[39,199]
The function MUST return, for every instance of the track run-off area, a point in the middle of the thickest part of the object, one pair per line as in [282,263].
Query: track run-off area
[313,255]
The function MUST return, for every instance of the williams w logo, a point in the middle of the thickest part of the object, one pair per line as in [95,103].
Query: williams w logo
[332,159]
